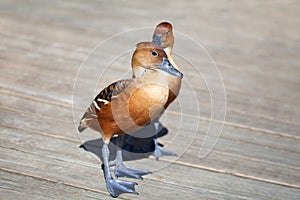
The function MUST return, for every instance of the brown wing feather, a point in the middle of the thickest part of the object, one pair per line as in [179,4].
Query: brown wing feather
[89,118]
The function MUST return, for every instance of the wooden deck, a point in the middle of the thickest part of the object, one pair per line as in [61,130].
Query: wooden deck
[255,45]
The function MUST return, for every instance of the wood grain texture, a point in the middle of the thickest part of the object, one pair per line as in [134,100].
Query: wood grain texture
[255,45]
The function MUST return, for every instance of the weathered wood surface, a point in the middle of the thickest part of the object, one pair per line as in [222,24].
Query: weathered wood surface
[256,47]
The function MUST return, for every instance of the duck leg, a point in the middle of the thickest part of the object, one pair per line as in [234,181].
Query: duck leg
[115,187]
[123,171]
[160,151]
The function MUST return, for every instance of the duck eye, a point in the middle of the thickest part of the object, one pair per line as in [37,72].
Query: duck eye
[167,32]
[154,53]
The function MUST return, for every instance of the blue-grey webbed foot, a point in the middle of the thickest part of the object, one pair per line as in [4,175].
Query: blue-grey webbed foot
[160,151]
[117,187]
[123,171]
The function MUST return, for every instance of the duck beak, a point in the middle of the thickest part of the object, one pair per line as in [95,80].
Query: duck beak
[168,67]
[157,39]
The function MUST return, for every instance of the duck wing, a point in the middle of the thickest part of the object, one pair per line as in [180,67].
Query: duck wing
[89,118]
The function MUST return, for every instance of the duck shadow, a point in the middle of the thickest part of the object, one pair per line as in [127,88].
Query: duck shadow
[137,145]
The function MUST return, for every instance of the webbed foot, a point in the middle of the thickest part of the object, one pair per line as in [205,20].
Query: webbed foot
[122,171]
[160,151]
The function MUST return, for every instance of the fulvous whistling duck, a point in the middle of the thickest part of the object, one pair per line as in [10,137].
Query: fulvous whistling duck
[128,105]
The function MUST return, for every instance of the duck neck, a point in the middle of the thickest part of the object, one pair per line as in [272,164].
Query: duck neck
[138,72]
[155,77]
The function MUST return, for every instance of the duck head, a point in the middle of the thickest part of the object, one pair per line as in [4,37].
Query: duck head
[150,57]
[163,36]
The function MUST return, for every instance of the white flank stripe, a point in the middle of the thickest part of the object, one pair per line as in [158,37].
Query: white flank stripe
[103,101]
[96,105]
